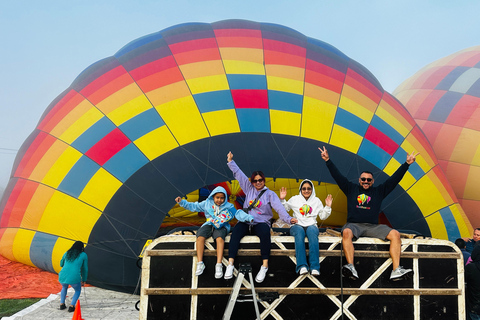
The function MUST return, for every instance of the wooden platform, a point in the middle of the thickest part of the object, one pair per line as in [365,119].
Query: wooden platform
[170,289]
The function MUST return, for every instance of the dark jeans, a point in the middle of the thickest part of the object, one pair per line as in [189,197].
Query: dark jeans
[261,230]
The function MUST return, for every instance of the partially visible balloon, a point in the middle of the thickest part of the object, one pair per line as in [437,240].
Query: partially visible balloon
[444,99]
[156,120]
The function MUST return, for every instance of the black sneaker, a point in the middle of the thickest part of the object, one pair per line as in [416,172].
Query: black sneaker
[71,308]
[63,306]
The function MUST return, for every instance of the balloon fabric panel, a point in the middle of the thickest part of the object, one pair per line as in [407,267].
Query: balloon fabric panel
[444,99]
[155,121]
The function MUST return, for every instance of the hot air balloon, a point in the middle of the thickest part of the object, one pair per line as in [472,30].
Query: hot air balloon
[156,120]
[444,99]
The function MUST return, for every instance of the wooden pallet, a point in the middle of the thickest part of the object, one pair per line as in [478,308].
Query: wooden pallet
[170,288]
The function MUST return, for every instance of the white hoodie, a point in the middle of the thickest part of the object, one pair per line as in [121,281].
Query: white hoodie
[307,210]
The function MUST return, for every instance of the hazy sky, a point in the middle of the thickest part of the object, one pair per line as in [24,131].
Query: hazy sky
[46,44]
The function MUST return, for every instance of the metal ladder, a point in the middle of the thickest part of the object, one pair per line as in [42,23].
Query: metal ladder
[234,296]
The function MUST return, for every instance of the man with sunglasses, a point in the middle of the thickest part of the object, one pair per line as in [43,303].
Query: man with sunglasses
[363,209]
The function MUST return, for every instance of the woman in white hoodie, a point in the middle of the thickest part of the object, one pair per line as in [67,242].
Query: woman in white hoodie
[306,207]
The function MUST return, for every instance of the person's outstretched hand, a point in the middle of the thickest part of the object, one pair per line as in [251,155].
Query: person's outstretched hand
[178,199]
[324,153]
[411,157]
[329,200]
[283,193]
[229,156]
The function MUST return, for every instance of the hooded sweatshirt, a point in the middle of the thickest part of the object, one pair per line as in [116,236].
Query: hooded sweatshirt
[218,216]
[363,206]
[262,212]
[307,210]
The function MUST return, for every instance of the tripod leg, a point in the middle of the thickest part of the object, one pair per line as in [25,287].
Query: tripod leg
[233,296]
[254,295]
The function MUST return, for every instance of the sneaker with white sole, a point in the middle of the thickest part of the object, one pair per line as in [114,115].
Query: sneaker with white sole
[261,274]
[303,271]
[349,271]
[229,272]
[200,268]
[398,273]
[218,271]
[315,272]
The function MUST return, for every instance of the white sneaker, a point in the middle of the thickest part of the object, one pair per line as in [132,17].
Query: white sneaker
[398,273]
[229,272]
[218,271]
[315,272]
[303,271]
[200,268]
[349,271]
[261,274]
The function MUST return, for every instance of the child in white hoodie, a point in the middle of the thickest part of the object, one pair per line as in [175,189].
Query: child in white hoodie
[306,207]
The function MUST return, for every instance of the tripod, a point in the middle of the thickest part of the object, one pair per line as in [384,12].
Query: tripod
[234,296]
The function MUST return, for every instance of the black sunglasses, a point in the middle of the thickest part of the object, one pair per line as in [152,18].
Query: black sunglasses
[366,179]
[306,189]
[258,180]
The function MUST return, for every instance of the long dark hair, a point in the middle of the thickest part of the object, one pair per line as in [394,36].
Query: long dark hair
[74,251]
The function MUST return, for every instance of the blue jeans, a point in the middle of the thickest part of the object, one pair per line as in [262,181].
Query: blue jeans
[312,234]
[63,294]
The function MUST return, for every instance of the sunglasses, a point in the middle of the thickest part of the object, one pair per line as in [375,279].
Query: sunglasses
[306,189]
[366,179]
[255,181]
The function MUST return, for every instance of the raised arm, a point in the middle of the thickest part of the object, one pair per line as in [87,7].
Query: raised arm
[283,194]
[238,173]
[339,178]
[397,176]
[278,206]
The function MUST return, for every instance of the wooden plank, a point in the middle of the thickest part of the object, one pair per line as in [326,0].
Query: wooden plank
[291,252]
[304,291]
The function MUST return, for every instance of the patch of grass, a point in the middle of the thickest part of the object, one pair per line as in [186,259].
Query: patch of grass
[9,307]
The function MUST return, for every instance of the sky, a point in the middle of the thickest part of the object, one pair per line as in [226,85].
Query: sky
[45,45]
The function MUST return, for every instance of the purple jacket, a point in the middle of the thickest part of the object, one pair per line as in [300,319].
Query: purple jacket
[262,213]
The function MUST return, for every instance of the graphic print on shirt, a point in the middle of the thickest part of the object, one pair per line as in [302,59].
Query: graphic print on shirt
[305,210]
[363,199]
[221,217]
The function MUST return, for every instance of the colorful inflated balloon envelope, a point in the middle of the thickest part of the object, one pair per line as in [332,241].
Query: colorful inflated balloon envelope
[157,119]
[444,99]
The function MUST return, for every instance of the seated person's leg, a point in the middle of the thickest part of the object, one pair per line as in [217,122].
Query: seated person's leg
[239,231]
[347,242]
[299,234]
[262,230]
[219,236]
[350,232]
[313,248]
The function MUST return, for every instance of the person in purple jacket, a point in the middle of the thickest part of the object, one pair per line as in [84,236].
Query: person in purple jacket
[261,212]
